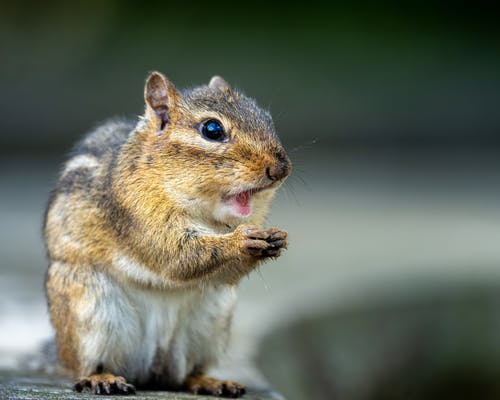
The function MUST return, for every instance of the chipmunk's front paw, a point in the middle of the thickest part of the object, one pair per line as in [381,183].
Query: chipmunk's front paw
[259,242]
[215,387]
[104,384]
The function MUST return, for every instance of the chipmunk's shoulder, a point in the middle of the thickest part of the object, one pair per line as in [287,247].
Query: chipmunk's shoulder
[107,137]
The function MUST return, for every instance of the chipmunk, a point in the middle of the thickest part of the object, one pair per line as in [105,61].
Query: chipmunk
[150,229]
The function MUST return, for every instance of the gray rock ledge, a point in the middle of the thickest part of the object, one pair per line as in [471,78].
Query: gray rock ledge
[22,385]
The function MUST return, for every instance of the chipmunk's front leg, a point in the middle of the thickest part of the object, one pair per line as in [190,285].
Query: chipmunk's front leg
[226,258]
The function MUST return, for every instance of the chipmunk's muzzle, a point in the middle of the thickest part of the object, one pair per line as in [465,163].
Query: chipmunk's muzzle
[240,203]
[280,169]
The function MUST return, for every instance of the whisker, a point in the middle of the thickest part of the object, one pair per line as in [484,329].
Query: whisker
[302,146]
[266,286]
[297,177]
[290,192]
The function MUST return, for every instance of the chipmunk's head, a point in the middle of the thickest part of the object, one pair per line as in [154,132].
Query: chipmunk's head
[216,150]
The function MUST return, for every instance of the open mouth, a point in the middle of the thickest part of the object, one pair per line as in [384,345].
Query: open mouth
[240,201]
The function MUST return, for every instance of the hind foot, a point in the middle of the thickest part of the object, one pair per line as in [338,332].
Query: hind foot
[104,384]
[202,384]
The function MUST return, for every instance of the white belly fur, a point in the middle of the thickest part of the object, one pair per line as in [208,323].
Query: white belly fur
[145,333]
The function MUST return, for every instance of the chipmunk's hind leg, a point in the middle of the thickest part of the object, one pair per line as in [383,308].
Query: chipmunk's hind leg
[202,384]
[104,383]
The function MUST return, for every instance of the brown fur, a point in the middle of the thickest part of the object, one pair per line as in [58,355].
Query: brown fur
[150,192]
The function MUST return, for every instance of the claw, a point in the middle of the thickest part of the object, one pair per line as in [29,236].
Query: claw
[271,252]
[97,389]
[107,387]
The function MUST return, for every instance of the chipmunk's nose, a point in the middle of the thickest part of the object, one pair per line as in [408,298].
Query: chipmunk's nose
[280,168]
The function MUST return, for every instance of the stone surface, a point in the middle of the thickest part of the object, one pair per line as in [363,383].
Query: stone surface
[19,385]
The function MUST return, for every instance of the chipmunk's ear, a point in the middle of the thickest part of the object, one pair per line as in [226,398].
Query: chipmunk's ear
[161,96]
[219,84]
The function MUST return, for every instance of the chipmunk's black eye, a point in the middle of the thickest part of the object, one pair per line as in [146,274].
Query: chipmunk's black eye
[212,129]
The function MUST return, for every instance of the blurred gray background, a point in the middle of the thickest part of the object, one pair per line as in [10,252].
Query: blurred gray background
[390,115]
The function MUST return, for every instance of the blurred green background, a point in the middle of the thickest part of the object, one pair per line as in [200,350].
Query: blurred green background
[390,114]
[341,72]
